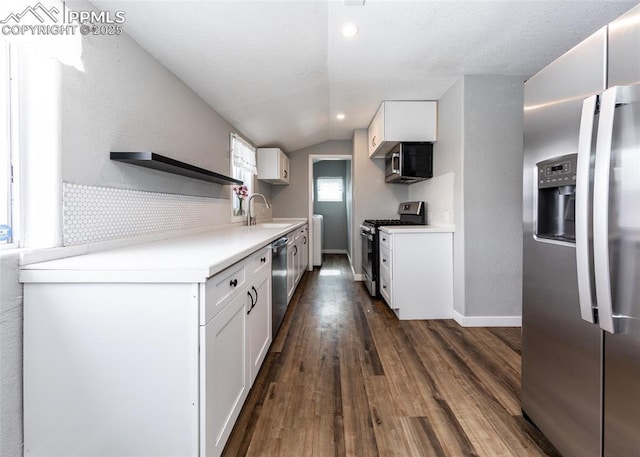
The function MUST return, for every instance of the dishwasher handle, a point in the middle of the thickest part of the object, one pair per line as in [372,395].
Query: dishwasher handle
[279,244]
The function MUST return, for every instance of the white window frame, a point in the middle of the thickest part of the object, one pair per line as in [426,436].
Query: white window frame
[9,166]
[336,181]
[243,175]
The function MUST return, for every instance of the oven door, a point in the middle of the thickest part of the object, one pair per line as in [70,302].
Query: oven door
[368,258]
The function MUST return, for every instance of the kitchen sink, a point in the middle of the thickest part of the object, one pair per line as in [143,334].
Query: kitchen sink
[273,225]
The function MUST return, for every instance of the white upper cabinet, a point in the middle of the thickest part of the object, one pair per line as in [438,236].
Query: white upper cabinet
[398,121]
[273,166]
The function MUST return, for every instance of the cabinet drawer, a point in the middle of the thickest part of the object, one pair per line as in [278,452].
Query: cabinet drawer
[385,241]
[221,288]
[261,260]
[385,262]
[385,288]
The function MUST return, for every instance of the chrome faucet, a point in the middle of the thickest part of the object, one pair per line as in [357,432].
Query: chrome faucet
[251,220]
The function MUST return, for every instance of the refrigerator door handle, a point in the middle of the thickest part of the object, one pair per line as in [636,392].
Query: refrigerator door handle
[611,99]
[584,259]
[601,210]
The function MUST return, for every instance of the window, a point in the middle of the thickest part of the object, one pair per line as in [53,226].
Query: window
[330,189]
[243,167]
[8,168]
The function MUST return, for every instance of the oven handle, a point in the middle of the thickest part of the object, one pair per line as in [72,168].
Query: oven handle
[364,231]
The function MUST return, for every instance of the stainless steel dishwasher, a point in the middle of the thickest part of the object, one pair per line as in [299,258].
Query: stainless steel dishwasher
[279,282]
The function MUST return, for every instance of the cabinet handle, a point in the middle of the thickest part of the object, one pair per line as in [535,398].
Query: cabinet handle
[384,260]
[233,282]
[384,239]
[373,141]
[285,173]
[384,287]
[305,240]
[296,251]
[263,259]
[254,302]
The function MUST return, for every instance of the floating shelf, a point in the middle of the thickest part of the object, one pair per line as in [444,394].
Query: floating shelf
[162,163]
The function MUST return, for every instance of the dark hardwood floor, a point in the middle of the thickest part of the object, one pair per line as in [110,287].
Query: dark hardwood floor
[344,377]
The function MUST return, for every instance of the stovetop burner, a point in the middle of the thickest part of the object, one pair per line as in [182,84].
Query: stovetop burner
[379,222]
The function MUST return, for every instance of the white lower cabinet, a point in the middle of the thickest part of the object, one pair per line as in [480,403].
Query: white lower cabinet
[143,369]
[292,265]
[297,257]
[258,306]
[416,273]
[224,377]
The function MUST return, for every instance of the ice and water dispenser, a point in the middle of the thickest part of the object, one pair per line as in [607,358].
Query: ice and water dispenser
[556,199]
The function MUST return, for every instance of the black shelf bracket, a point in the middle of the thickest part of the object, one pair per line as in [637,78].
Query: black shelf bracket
[166,164]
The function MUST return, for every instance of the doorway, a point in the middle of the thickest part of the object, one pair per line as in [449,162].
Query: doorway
[330,195]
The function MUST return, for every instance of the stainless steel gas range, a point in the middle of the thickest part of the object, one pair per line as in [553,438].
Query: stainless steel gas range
[411,213]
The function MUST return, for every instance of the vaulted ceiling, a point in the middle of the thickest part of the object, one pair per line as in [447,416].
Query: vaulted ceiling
[280,71]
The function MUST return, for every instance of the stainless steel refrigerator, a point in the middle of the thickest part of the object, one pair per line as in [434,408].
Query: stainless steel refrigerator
[581,219]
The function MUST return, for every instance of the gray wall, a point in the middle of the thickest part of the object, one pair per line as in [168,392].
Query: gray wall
[293,200]
[493,154]
[478,156]
[10,356]
[334,213]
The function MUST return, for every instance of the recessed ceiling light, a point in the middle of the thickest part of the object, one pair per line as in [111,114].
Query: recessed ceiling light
[350,30]
[340,116]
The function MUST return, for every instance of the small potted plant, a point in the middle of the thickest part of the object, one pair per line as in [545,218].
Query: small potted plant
[241,192]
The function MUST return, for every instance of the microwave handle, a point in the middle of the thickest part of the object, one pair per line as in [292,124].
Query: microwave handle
[396,155]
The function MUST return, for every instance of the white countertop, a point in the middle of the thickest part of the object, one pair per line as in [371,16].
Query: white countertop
[189,258]
[417,228]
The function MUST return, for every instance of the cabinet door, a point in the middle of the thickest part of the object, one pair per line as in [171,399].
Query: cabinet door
[223,375]
[376,131]
[284,168]
[298,259]
[258,323]
[291,268]
[304,257]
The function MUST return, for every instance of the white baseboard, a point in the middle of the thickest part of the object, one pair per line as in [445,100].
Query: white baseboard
[334,251]
[357,277]
[487,321]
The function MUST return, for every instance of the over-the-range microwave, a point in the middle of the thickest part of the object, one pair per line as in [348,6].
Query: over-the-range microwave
[407,163]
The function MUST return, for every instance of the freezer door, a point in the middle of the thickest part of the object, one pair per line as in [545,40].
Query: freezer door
[560,351]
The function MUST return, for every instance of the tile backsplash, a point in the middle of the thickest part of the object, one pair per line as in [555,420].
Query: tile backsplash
[93,214]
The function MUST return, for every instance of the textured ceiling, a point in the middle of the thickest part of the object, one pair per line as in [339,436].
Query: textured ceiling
[280,71]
